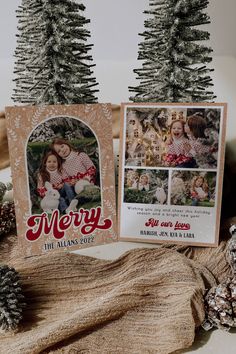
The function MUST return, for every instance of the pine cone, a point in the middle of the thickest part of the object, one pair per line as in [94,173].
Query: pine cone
[11,298]
[3,189]
[231,252]
[220,305]
[7,217]
[220,301]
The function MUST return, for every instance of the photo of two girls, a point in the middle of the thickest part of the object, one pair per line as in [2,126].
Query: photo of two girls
[183,140]
[63,166]
[178,137]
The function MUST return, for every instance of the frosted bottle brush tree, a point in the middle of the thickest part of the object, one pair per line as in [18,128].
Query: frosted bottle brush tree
[53,64]
[27,36]
[175,63]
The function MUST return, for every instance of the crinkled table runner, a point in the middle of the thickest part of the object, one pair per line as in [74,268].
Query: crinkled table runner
[147,301]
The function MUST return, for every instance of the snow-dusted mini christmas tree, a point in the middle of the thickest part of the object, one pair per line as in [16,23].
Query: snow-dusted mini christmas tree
[174,67]
[26,37]
[52,61]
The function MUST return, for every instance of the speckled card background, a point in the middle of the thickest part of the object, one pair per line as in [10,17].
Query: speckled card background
[21,122]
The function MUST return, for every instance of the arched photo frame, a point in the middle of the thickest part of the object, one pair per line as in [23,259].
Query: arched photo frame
[84,165]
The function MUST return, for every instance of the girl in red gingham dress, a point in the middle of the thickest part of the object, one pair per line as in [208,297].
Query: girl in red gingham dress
[51,170]
[178,147]
[77,165]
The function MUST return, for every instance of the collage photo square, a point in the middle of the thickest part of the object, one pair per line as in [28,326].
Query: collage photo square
[171,155]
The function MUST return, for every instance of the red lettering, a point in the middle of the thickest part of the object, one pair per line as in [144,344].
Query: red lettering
[44,225]
[152,222]
[166,224]
[182,226]
[53,226]
[33,235]
[91,222]
[78,217]
[65,222]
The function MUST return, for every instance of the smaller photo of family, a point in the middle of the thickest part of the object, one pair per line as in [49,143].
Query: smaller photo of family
[193,188]
[183,137]
[146,186]
[63,166]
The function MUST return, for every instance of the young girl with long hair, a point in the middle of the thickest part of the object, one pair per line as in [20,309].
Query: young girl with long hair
[144,182]
[178,147]
[199,190]
[51,170]
[76,164]
[195,129]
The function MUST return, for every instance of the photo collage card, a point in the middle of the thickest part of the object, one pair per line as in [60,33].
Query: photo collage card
[171,171]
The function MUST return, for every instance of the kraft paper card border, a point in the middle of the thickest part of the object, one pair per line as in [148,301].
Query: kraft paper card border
[91,220]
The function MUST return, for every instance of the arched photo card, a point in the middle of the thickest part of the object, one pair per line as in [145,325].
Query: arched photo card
[63,176]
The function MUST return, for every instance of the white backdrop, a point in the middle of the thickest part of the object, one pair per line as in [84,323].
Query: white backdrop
[115,25]
[114,32]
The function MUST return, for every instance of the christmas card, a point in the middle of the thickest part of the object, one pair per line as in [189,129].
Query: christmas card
[63,176]
[171,172]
